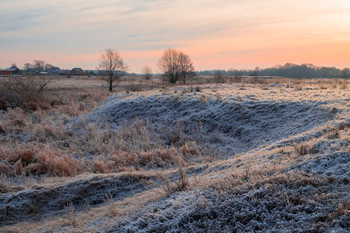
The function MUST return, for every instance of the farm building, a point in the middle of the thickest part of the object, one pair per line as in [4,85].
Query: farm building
[77,72]
[10,71]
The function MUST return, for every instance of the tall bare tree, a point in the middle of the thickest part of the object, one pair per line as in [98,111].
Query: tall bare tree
[175,65]
[39,64]
[168,65]
[111,67]
[185,66]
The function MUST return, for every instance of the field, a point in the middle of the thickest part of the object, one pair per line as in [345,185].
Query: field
[248,155]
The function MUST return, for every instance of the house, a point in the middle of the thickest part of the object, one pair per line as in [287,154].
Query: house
[77,72]
[12,71]
[54,70]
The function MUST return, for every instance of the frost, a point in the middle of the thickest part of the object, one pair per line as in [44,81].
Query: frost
[238,123]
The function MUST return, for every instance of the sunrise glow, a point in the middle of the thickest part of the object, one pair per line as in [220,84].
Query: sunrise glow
[224,34]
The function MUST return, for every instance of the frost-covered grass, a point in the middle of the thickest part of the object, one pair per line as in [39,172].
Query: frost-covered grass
[269,156]
[277,203]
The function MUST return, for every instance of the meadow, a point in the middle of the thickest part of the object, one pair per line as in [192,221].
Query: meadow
[266,154]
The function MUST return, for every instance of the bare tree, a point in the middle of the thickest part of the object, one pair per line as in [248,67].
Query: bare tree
[39,64]
[185,66]
[168,65]
[175,66]
[147,73]
[111,67]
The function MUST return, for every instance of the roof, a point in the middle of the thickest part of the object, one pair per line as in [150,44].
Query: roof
[77,69]
[9,69]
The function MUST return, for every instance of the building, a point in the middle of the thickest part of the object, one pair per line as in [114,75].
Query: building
[54,70]
[77,72]
[12,71]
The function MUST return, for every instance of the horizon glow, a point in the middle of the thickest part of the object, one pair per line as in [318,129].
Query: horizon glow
[222,35]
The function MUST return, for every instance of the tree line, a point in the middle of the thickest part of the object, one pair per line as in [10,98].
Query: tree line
[288,70]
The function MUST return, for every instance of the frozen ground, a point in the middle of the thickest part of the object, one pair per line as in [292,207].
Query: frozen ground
[233,124]
[284,166]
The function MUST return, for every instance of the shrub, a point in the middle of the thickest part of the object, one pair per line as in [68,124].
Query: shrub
[50,163]
[25,92]
[190,148]
[154,158]
[99,167]
[31,159]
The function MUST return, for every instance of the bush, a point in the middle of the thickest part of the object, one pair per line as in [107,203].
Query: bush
[24,92]
[34,160]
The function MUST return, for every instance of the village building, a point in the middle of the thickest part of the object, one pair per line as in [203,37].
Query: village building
[12,71]
[77,72]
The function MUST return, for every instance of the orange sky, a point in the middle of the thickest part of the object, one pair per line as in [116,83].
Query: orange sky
[225,34]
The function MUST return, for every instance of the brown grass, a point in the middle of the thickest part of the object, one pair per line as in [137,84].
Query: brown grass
[302,149]
[51,145]
[180,184]
[342,209]
[54,149]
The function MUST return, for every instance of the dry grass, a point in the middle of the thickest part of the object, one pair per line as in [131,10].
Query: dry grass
[54,147]
[302,149]
[38,150]
[111,207]
[43,142]
[49,145]
[342,209]
[180,184]
[204,98]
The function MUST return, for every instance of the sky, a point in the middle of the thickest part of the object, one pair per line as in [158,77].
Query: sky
[221,34]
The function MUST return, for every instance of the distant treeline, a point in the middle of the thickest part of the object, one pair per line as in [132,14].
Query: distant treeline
[288,70]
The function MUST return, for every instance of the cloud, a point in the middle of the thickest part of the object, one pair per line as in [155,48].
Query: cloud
[15,21]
